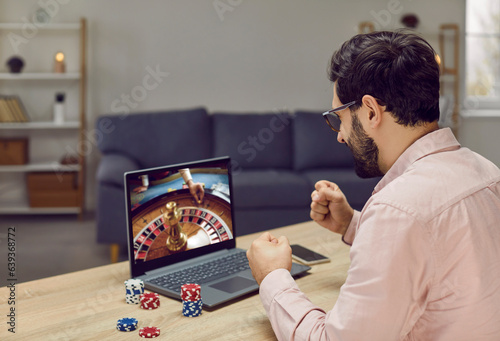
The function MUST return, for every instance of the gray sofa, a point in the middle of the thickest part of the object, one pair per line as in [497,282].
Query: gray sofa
[277,158]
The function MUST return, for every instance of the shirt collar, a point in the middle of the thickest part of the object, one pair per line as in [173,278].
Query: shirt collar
[434,142]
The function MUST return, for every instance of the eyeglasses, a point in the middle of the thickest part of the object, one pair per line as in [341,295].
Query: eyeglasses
[333,119]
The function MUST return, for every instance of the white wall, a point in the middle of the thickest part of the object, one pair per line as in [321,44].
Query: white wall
[259,55]
[481,134]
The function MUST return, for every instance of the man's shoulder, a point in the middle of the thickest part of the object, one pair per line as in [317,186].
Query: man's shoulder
[438,181]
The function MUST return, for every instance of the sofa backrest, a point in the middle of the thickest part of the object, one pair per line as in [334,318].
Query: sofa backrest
[157,138]
[254,140]
[316,145]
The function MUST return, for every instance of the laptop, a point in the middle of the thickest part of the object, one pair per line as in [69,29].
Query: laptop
[176,233]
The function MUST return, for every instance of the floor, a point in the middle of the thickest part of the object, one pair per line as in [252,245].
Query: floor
[49,245]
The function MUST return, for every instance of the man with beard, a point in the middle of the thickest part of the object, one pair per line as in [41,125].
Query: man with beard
[425,249]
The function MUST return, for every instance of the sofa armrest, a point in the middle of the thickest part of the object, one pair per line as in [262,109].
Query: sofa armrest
[112,167]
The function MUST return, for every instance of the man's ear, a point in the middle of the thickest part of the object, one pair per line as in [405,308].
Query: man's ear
[374,111]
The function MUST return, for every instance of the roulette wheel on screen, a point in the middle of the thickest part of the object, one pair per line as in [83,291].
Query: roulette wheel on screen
[175,222]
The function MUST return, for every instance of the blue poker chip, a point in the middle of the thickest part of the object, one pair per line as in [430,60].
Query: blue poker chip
[126,324]
[192,308]
[137,291]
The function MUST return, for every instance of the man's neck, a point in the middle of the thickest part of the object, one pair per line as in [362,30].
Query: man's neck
[396,139]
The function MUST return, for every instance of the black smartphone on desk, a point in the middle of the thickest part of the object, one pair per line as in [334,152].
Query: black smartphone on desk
[307,256]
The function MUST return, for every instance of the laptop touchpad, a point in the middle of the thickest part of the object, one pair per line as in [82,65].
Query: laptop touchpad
[233,284]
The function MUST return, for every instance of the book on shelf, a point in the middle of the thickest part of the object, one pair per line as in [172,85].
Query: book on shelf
[12,110]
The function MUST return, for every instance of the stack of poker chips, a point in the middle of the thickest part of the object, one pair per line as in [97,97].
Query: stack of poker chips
[149,332]
[191,300]
[133,290]
[126,324]
[150,300]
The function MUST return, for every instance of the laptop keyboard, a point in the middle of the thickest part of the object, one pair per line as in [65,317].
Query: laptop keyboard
[205,272]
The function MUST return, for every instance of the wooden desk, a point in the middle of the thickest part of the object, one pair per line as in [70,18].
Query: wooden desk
[86,305]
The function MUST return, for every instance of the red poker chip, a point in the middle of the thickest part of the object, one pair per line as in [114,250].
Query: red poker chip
[191,287]
[150,299]
[150,305]
[149,332]
[150,295]
[190,292]
[191,298]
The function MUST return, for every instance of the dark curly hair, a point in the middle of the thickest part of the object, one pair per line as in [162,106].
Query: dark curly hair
[398,68]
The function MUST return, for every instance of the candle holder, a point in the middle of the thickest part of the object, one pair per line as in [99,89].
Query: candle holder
[59,66]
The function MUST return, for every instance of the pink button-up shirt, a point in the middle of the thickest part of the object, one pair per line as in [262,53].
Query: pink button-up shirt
[425,256]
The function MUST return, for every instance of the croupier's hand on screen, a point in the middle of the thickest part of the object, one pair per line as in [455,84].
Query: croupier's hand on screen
[197,191]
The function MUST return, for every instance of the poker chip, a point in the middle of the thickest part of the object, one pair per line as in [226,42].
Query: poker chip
[192,308]
[135,283]
[126,324]
[149,297]
[133,289]
[149,332]
[191,300]
[150,300]
[190,292]
[132,299]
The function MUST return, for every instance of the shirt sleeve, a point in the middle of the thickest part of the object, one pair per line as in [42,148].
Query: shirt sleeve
[384,294]
[186,174]
[350,233]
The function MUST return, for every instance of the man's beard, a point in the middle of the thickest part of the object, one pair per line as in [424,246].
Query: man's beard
[364,151]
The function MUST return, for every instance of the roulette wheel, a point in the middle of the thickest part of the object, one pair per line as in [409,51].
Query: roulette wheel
[175,222]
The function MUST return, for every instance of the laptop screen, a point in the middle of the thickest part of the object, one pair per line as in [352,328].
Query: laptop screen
[178,212]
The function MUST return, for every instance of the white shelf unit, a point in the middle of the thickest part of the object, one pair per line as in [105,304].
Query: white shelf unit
[30,83]
[42,27]
[41,167]
[24,209]
[39,125]
[40,76]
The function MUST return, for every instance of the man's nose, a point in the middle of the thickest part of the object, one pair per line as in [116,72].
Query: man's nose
[340,138]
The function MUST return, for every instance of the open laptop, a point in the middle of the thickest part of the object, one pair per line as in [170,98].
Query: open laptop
[175,233]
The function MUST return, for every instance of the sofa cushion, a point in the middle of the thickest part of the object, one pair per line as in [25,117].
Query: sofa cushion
[356,190]
[156,139]
[254,140]
[316,145]
[261,219]
[270,188]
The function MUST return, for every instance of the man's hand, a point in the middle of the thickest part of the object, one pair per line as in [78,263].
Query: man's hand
[267,254]
[329,207]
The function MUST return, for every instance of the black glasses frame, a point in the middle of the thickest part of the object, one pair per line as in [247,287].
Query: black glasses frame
[333,119]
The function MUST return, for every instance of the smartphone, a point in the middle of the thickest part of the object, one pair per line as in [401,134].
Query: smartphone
[306,256]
